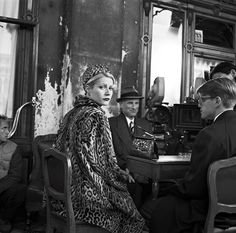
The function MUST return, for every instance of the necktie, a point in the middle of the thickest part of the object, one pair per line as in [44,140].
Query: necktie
[131,126]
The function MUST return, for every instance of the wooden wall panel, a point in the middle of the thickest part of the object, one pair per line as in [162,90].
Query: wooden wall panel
[51,40]
[131,41]
[96,36]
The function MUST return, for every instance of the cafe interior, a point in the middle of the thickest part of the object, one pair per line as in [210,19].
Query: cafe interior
[164,48]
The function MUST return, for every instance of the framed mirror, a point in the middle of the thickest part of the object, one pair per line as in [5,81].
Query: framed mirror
[167,50]
[185,42]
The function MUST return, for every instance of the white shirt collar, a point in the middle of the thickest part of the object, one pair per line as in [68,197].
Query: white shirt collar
[219,114]
[129,120]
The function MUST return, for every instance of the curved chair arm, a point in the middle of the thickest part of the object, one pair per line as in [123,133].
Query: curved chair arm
[16,119]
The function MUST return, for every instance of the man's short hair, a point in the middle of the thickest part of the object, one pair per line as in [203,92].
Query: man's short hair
[222,87]
[3,118]
[223,67]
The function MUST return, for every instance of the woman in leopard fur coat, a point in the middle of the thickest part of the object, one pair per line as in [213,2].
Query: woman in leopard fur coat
[99,192]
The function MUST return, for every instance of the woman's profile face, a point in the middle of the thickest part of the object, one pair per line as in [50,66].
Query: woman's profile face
[101,91]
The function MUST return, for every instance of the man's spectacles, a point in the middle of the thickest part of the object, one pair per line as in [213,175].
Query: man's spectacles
[202,99]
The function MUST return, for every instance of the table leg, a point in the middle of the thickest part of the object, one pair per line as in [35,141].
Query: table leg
[155,189]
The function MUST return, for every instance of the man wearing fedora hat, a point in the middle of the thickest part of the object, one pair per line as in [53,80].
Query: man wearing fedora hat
[123,128]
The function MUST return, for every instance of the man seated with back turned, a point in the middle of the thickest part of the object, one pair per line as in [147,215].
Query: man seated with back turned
[123,128]
[226,69]
[183,205]
[12,190]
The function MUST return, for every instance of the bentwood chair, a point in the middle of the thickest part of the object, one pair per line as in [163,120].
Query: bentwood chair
[57,172]
[222,196]
[34,200]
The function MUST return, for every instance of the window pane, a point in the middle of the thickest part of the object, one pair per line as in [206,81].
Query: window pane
[167,36]
[9,8]
[8,40]
[214,32]
[202,68]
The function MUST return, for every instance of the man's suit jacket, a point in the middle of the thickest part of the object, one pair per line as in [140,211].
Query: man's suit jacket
[191,193]
[122,136]
[210,145]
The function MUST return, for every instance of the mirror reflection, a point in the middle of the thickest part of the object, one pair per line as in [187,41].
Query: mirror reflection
[202,68]
[166,54]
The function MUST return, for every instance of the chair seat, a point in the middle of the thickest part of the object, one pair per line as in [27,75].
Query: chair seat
[34,199]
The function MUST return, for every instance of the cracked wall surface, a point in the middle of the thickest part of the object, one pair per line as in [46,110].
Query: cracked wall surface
[47,110]
[54,101]
[51,104]
[109,37]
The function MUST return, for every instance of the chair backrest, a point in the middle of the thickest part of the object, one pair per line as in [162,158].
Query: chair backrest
[40,143]
[222,190]
[57,172]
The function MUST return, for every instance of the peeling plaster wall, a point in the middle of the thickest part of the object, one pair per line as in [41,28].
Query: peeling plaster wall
[51,104]
[131,42]
[66,85]
[48,112]
[96,38]
[53,81]
[74,34]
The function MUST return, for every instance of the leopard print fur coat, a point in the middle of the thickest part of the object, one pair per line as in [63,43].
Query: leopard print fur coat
[99,191]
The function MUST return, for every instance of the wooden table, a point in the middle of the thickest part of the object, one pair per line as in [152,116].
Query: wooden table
[166,167]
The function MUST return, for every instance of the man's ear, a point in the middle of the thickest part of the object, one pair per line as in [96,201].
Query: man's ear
[218,100]
[233,73]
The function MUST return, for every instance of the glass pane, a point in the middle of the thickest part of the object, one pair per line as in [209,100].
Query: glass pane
[9,8]
[8,40]
[166,54]
[214,32]
[202,68]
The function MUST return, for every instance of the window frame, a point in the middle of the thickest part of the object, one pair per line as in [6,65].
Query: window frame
[26,67]
[190,47]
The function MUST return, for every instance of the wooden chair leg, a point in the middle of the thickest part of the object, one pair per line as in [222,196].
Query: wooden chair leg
[28,222]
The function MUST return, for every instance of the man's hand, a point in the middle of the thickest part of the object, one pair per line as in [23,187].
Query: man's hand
[127,175]
[130,178]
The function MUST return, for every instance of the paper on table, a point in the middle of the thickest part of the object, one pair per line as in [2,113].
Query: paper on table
[173,158]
